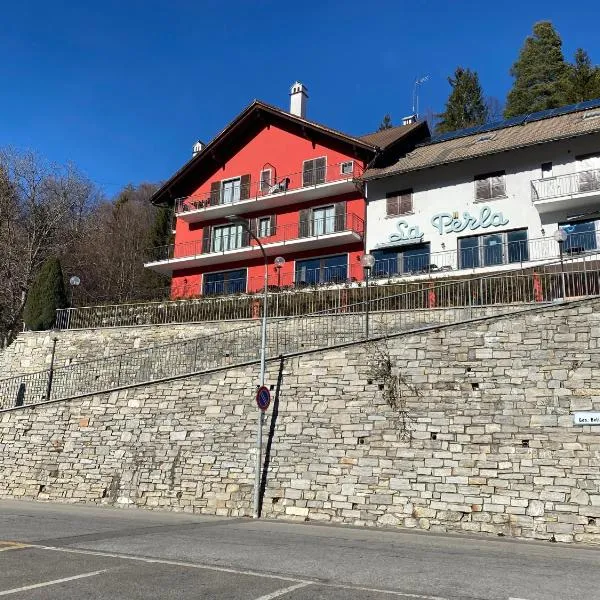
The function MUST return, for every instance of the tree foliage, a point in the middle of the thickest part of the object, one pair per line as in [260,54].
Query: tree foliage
[466,106]
[538,73]
[582,79]
[386,123]
[47,293]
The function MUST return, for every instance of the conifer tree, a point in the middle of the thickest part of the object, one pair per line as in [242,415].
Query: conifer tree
[386,123]
[466,106]
[539,73]
[47,293]
[582,81]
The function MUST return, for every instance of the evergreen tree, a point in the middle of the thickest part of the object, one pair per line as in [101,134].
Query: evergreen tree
[386,123]
[582,81]
[539,73]
[47,293]
[466,106]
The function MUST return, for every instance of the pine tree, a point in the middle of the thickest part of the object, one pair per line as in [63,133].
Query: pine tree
[582,81]
[47,293]
[386,123]
[539,73]
[466,106]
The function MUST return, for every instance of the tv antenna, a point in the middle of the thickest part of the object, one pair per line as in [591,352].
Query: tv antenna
[419,81]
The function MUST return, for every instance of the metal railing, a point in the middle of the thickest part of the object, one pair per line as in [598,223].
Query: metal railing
[565,185]
[440,302]
[275,184]
[233,237]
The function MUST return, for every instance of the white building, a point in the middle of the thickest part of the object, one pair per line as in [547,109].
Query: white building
[490,198]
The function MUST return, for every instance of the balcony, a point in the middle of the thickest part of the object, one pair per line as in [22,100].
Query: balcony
[572,191]
[331,180]
[237,245]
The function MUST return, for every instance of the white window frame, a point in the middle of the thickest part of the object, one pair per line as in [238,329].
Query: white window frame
[342,165]
[326,220]
[265,187]
[267,232]
[239,189]
[239,237]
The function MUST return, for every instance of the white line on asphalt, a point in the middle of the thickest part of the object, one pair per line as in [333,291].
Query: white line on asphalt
[283,591]
[388,592]
[174,563]
[53,582]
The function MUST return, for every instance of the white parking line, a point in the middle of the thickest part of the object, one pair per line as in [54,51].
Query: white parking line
[53,582]
[287,590]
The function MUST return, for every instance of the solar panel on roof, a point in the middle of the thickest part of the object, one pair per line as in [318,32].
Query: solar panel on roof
[514,121]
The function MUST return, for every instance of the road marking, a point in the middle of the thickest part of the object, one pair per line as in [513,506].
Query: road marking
[5,546]
[283,591]
[388,592]
[53,582]
[174,563]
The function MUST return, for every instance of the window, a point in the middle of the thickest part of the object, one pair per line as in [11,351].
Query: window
[323,220]
[313,171]
[546,170]
[491,249]
[581,236]
[264,227]
[227,237]
[266,180]
[226,282]
[347,168]
[588,167]
[330,269]
[414,258]
[230,191]
[490,186]
[399,203]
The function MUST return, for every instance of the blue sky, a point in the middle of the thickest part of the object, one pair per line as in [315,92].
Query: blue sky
[124,88]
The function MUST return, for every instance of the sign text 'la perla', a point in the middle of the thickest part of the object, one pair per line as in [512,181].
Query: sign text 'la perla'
[448,223]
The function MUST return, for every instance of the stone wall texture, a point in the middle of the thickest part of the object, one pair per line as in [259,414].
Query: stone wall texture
[481,438]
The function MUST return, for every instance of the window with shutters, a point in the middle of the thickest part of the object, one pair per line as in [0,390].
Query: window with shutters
[490,186]
[313,171]
[230,190]
[263,228]
[399,203]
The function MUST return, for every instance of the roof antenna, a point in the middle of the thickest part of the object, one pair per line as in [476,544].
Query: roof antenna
[418,82]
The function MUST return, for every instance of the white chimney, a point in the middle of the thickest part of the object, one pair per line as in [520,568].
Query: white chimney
[410,119]
[198,147]
[298,99]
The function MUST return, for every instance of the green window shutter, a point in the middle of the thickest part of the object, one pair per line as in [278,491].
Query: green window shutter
[244,187]
[215,193]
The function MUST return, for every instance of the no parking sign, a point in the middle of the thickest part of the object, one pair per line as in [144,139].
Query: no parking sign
[263,397]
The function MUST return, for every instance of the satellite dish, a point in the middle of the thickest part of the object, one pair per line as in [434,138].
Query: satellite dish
[74,280]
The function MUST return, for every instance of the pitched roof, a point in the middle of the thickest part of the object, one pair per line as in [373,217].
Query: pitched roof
[492,141]
[255,116]
[385,137]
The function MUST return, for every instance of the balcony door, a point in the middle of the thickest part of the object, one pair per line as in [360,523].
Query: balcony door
[227,237]
[230,191]
[329,269]
[323,220]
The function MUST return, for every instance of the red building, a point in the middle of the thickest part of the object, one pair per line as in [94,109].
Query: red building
[292,183]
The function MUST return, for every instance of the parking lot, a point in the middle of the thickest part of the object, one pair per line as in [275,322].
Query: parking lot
[69,552]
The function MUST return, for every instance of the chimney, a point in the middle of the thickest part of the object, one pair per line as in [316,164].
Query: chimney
[410,119]
[298,99]
[198,147]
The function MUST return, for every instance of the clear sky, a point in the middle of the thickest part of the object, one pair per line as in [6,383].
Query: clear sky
[124,88]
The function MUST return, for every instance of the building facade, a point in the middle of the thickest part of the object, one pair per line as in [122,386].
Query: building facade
[490,199]
[275,179]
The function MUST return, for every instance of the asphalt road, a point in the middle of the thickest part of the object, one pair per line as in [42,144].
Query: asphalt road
[73,552]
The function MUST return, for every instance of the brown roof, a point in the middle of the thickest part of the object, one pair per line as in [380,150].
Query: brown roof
[385,137]
[499,140]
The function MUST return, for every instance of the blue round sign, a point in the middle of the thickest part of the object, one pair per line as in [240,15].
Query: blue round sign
[263,397]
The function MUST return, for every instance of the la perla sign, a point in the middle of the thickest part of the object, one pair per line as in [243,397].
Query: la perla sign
[448,223]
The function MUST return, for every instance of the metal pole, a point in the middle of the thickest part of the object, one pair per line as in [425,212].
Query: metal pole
[367,269]
[51,372]
[562,274]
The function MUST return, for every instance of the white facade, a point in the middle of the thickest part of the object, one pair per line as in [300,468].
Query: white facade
[445,208]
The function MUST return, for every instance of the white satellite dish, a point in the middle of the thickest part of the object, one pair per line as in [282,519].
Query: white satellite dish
[74,280]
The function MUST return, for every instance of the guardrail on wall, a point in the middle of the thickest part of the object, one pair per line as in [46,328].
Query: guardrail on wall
[437,303]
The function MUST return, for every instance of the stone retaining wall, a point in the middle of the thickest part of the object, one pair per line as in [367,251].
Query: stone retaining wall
[481,438]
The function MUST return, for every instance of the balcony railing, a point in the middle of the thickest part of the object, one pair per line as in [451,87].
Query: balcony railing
[280,235]
[565,185]
[279,184]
